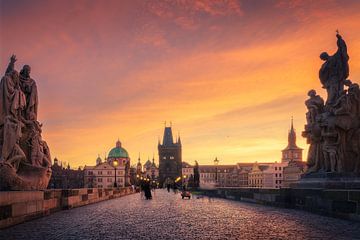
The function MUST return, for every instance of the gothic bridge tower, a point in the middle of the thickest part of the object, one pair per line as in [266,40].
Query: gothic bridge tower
[170,161]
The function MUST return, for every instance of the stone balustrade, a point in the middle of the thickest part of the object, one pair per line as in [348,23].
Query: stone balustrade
[20,206]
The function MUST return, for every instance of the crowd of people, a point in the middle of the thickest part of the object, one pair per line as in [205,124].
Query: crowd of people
[146,187]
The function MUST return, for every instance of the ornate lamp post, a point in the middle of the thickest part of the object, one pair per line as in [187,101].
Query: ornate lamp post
[115,163]
[216,163]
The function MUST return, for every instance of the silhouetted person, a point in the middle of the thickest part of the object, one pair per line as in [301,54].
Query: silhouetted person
[147,190]
[168,186]
[175,188]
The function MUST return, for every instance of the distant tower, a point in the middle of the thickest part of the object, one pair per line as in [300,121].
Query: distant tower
[169,157]
[292,152]
[139,166]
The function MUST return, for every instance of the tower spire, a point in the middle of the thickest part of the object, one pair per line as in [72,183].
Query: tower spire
[292,135]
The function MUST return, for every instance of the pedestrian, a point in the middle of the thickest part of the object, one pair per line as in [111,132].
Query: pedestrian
[147,190]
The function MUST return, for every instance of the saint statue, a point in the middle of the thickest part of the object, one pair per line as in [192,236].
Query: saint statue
[25,162]
[28,86]
[334,71]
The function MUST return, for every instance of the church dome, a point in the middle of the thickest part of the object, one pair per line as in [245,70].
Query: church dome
[118,151]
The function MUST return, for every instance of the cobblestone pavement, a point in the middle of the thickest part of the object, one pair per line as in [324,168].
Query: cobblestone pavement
[167,216]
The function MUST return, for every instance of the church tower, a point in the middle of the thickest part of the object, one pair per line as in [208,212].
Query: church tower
[292,152]
[139,166]
[170,161]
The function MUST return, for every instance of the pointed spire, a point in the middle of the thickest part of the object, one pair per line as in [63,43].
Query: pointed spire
[139,157]
[292,136]
[179,140]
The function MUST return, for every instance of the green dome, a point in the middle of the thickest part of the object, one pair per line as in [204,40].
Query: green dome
[118,152]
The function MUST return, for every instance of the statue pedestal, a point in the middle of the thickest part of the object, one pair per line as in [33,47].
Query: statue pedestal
[328,181]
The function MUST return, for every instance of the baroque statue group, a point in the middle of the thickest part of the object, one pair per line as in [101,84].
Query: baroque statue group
[25,162]
[333,126]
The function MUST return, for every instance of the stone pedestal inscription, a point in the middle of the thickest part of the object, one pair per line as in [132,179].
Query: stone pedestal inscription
[24,157]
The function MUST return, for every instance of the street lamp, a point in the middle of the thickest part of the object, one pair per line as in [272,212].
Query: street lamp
[216,163]
[115,163]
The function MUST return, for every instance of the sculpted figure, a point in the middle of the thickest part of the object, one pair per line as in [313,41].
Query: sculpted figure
[24,157]
[334,70]
[11,153]
[40,153]
[315,105]
[354,98]
[28,86]
[315,158]
[12,98]
[331,149]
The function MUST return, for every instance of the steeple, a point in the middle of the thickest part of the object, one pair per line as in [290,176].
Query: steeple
[139,161]
[179,140]
[292,136]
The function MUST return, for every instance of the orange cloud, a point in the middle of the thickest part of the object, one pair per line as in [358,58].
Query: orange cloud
[228,75]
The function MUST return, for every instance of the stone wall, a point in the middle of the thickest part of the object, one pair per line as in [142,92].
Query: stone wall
[20,206]
[331,202]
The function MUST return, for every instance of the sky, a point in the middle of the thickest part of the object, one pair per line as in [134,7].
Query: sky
[228,74]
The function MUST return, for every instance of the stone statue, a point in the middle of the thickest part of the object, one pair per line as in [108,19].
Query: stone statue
[28,86]
[315,105]
[25,158]
[333,129]
[334,71]
[331,149]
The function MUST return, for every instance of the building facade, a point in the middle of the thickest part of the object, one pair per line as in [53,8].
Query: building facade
[115,168]
[212,176]
[65,177]
[170,158]
[151,170]
[293,172]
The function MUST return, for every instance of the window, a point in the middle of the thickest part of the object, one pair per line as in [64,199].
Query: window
[275,168]
[99,179]
[279,168]
[279,174]
[164,158]
[275,174]
[172,157]
[100,172]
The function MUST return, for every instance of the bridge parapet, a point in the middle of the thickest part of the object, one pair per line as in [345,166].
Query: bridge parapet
[20,206]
